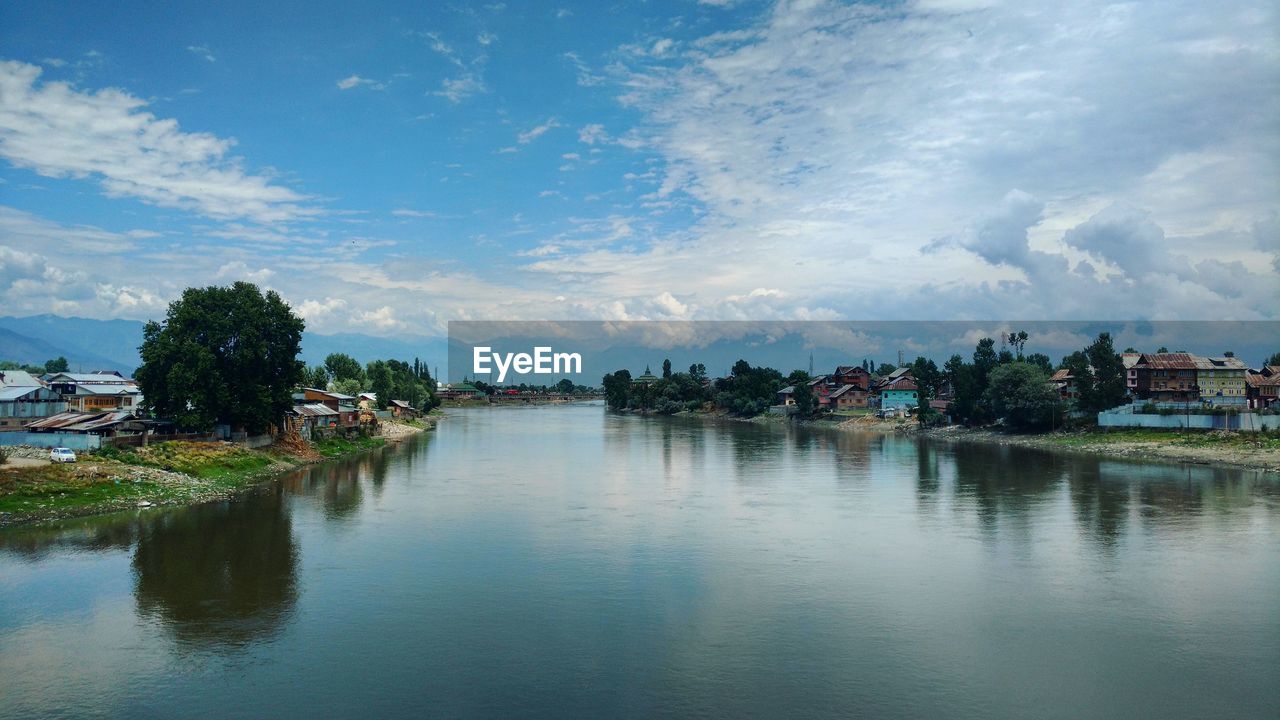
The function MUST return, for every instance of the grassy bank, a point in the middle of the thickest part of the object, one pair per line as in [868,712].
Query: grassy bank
[168,473]
[1258,451]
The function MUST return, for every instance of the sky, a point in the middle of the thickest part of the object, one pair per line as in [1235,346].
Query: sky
[389,167]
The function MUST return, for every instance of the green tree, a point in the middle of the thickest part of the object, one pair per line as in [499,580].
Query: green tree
[1077,363]
[1274,359]
[223,355]
[316,377]
[350,386]
[617,389]
[1020,393]
[381,382]
[885,369]
[698,372]
[1041,361]
[928,378]
[342,366]
[666,368]
[56,365]
[1108,389]
[806,403]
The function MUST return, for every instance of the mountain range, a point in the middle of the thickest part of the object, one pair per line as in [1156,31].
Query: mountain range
[113,344]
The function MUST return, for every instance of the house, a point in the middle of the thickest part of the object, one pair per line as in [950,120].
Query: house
[96,391]
[1065,383]
[851,375]
[367,401]
[1166,377]
[899,392]
[344,405]
[848,397]
[1130,359]
[109,423]
[1222,381]
[458,391]
[1261,386]
[822,387]
[314,420]
[23,398]
[785,396]
[402,409]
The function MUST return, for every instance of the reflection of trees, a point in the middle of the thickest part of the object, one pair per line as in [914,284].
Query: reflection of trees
[108,532]
[1004,483]
[336,483]
[223,573]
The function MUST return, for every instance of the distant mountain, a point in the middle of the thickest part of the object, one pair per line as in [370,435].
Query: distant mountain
[113,344]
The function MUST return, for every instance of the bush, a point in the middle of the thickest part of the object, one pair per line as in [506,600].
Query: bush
[4,454]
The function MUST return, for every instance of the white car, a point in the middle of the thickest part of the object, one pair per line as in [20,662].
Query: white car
[62,455]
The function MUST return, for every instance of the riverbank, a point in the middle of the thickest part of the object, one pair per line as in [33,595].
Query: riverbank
[164,474]
[1253,451]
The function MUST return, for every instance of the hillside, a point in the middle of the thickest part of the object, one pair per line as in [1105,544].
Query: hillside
[113,344]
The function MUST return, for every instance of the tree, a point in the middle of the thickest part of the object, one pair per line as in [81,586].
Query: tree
[565,386]
[927,378]
[1020,393]
[698,372]
[806,403]
[966,405]
[1041,361]
[617,389]
[885,369]
[1077,363]
[381,382]
[316,377]
[798,377]
[1162,350]
[1274,359]
[1109,384]
[223,355]
[666,368]
[350,386]
[1019,341]
[342,366]
[56,365]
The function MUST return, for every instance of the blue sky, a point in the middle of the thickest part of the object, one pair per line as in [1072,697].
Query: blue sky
[390,167]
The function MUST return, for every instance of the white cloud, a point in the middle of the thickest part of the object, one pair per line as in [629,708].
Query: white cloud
[203,52]
[354,81]
[592,134]
[311,310]
[59,131]
[457,89]
[238,270]
[537,131]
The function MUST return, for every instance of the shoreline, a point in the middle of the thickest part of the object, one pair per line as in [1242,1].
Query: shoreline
[102,485]
[1243,451]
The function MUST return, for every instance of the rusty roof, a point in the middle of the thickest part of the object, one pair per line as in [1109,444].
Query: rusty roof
[1168,361]
[80,421]
[314,410]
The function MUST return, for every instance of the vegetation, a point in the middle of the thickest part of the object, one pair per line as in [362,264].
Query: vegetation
[337,446]
[1020,393]
[223,355]
[56,365]
[387,379]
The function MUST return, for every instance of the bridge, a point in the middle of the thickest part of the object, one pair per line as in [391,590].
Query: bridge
[534,398]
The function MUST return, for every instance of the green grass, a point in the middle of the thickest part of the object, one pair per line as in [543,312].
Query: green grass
[214,461]
[1186,438]
[335,447]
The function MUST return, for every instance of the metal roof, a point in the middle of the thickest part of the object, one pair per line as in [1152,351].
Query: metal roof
[314,410]
[844,389]
[19,391]
[1219,363]
[81,422]
[18,378]
[1168,361]
[101,378]
[97,389]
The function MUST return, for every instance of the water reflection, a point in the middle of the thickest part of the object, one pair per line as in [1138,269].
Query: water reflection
[218,574]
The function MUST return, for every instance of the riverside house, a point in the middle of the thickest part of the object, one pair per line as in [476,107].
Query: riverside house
[899,391]
[24,398]
[1222,381]
[1261,387]
[1167,377]
[97,391]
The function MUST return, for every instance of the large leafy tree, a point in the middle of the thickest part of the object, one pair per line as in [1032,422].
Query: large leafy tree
[1108,389]
[1020,393]
[223,355]
[342,366]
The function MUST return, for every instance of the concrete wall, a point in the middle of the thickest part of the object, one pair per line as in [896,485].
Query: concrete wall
[1243,421]
[75,441]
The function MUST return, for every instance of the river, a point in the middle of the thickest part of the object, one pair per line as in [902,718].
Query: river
[565,562]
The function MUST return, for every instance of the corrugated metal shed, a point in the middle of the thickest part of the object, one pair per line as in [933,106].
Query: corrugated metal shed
[81,422]
[1169,361]
[315,410]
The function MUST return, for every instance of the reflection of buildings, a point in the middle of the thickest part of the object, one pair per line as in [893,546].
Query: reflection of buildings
[223,573]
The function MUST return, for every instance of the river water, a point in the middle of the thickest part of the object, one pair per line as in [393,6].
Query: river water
[565,562]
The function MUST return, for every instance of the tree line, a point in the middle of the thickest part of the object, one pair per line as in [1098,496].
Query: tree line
[56,365]
[1006,384]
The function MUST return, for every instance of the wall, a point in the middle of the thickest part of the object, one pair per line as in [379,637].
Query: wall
[1242,421]
[75,441]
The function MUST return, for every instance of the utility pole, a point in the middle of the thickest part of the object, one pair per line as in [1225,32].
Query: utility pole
[811,364]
